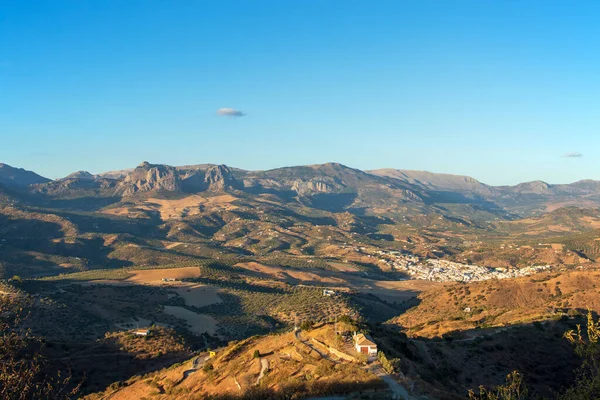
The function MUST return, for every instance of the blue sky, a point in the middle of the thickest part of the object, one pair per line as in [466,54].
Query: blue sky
[499,90]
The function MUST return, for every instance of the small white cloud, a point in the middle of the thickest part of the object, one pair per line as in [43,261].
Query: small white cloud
[230,112]
[573,155]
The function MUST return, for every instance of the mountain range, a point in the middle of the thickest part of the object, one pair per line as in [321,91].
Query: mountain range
[200,255]
[330,186]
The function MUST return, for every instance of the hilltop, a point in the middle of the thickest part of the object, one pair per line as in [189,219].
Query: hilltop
[272,366]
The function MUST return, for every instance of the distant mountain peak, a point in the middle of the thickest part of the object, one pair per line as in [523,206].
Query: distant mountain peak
[84,175]
[19,177]
[437,181]
[533,186]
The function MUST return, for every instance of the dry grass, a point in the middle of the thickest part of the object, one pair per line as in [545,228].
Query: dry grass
[176,208]
[501,302]
[234,372]
[155,276]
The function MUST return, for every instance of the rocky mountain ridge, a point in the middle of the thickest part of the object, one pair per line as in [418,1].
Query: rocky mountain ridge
[331,186]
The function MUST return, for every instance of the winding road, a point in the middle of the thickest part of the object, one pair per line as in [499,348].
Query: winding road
[197,363]
[398,391]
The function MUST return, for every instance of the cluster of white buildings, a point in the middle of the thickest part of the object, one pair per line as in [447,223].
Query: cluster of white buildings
[444,271]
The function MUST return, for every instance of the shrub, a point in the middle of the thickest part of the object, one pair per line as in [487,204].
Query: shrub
[513,389]
[307,325]
[390,366]
[587,383]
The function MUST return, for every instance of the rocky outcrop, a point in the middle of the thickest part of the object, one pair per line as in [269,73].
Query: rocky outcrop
[147,177]
[330,186]
[219,177]
[304,188]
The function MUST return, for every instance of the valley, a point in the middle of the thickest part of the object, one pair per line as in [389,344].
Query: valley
[438,269]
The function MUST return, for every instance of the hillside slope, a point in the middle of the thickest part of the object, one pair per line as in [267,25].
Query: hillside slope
[272,366]
[19,177]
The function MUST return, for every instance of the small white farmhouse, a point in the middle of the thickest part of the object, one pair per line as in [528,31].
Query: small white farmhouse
[142,332]
[364,344]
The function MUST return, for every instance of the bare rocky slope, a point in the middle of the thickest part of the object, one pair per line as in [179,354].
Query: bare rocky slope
[148,214]
[331,186]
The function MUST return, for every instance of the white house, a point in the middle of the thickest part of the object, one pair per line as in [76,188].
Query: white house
[364,344]
[142,332]
[328,292]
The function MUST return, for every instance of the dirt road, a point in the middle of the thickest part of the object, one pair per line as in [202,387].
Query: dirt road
[264,366]
[398,391]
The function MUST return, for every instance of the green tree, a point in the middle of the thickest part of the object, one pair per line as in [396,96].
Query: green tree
[306,325]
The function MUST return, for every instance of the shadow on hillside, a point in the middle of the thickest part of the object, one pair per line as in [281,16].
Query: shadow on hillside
[90,203]
[376,310]
[284,195]
[16,262]
[332,202]
[325,221]
[313,389]
[23,230]
[100,223]
[99,365]
[464,360]
[236,321]
[93,250]
[40,247]
[458,198]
